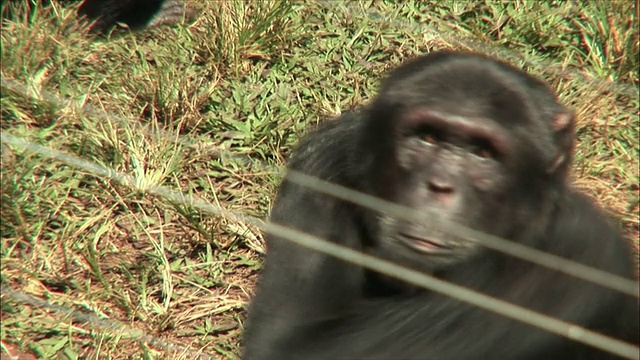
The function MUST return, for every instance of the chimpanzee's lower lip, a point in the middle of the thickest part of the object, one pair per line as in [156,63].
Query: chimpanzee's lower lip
[424,245]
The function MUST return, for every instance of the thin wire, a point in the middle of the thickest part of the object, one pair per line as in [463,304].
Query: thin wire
[501,307]
[521,251]
[109,325]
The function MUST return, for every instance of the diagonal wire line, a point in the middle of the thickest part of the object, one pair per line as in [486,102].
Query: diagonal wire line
[518,250]
[521,251]
[106,324]
[559,327]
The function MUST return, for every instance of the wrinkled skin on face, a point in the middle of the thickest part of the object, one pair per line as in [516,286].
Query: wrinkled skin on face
[457,153]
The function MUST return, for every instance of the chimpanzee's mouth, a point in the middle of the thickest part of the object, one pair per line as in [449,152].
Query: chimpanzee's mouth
[428,246]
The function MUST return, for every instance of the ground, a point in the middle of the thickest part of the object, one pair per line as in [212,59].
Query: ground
[93,267]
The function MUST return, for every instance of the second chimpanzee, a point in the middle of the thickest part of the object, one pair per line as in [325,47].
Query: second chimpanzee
[456,136]
[137,14]
[106,14]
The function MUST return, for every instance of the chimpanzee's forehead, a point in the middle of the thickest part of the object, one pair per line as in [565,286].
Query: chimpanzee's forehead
[468,88]
[503,105]
[469,74]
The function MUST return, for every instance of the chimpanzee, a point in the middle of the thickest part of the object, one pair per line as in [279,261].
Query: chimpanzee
[460,137]
[137,14]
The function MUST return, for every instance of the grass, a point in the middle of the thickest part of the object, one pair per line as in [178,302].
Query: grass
[212,109]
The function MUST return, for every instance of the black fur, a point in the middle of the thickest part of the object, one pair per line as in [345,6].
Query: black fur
[106,14]
[312,306]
